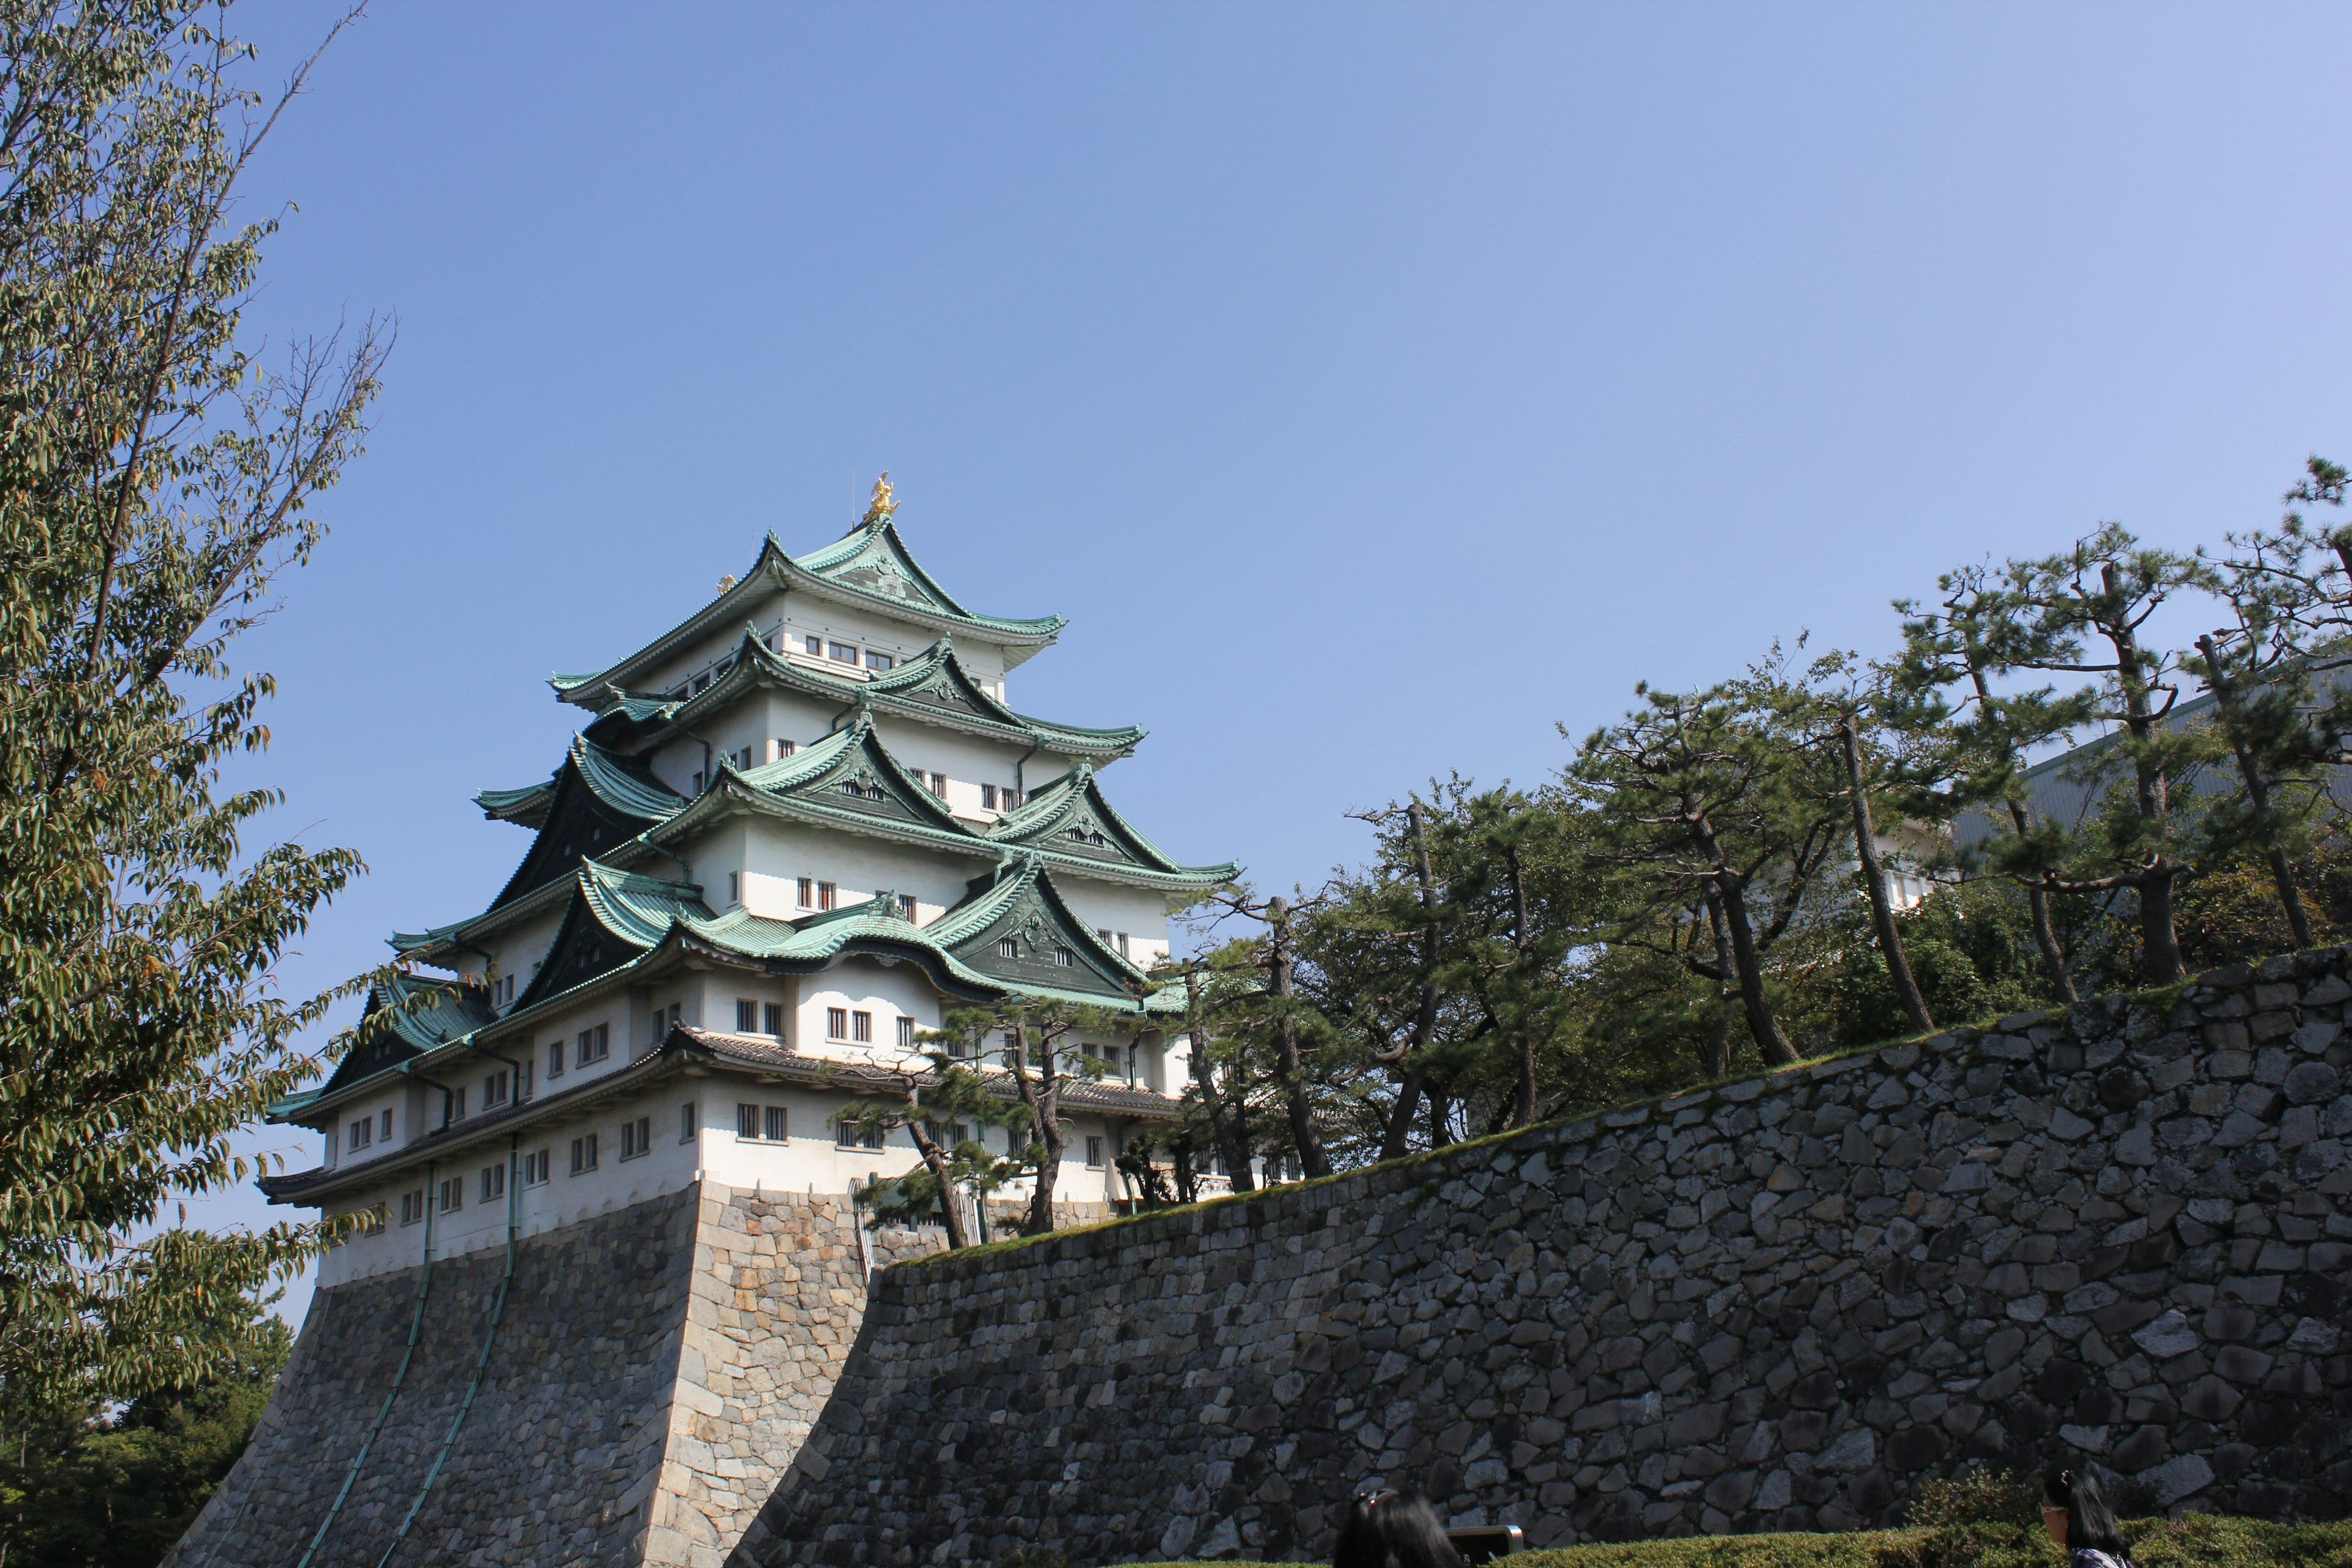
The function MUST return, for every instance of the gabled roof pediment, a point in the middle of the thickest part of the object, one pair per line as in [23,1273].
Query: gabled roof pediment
[934,687]
[870,567]
[848,778]
[1016,928]
[596,801]
[407,1016]
[1071,817]
[613,917]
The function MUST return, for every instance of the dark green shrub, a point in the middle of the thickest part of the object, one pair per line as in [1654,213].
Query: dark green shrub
[1979,1496]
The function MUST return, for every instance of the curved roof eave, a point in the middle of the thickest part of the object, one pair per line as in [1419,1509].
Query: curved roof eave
[774,571]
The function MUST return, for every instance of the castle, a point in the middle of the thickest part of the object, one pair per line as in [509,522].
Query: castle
[797,829]
[800,826]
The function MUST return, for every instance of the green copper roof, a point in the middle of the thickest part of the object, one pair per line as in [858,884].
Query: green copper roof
[623,921]
[1070,818]
[615,916]
[598,800]
[932,688]
[407,1016]
[526,805]
[850,780]
[874,563]
[869,567]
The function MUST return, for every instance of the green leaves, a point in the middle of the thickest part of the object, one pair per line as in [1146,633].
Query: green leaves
[153,481]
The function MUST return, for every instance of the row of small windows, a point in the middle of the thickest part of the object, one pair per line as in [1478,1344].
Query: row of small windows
[811,894]
[1010,947]
[816,646]
[533,1169]
[589,1046]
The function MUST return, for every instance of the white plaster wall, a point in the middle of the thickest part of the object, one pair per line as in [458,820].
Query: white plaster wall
[811,1160]
[777,854]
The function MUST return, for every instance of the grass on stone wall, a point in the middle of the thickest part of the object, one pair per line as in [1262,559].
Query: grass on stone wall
[2198,1540]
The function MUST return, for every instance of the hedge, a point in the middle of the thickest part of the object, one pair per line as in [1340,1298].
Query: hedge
[2198,1540]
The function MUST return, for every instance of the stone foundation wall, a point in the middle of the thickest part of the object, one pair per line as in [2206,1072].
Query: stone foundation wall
[2121,1234]
[655,1370]
[560,1452]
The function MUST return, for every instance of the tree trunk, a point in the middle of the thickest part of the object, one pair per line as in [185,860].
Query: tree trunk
[1523,1103]
[1882,907]
[2037,898]
[2258,792]
[1728,888]
[1042,1099]
[1286,1066]
[935,1161]
[1441,1118]
[1233,1142]
[1396,1137]
[2151,791]
[1715,1048]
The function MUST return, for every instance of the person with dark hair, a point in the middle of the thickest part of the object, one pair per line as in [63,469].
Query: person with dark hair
[2074,1512]
[1392,1530]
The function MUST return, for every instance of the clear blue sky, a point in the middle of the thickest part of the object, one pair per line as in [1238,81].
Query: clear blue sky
[1374,386]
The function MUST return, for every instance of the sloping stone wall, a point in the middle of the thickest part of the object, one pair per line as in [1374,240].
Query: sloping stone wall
[1772,1304]
[654,1370]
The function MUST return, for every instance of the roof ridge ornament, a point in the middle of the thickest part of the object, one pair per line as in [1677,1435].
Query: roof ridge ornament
[882,504]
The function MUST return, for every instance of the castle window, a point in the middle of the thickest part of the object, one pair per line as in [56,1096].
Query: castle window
[458,1105]
[1122,944]
[362,1133]
[842,653]
[827,894]
[384,1132]
[494,1091]
[807,893]
[411,1206]
[939,785]
[371,1221]
[1065,958]
[734,887]
[988,798]
[879,660]
[686,1123]
[813,645]
[847,1135]
[1008,947]
[905,1034]
[702,682]
[747,1121]
[861,1028]
[536,1167]
[583,1154]
[697,781]
[907,905]
[836,1023]
[596,1044]
[494,1182]
[777,1125]
[773,1019]
[747,1016]
[555,1058]
[743,758]
[1093,1153]
[785,749]
[637,1137]
[453,1194]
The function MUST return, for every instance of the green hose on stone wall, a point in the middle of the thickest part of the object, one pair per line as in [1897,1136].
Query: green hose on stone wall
[481,1357]
[416,1330]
